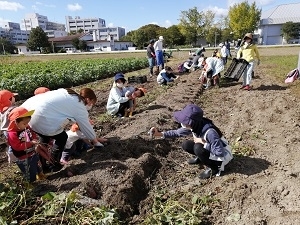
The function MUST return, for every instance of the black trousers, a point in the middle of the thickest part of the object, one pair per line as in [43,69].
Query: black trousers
[60,141]
[198,150]
[123,106]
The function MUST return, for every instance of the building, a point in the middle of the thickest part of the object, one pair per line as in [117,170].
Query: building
[56,33]
[95,26]
[269,31]
[102,33]
[76,24]
[100,45]
[14,36]
[33,20]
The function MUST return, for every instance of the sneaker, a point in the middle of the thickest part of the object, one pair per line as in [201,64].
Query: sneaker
[195,160]
[207,173]
[63,162]
[243,86]
[247,88]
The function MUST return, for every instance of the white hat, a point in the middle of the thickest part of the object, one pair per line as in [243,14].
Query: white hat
[161,38]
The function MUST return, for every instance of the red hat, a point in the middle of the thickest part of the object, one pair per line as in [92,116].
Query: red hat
[5,97]
[16,113]
[41,90]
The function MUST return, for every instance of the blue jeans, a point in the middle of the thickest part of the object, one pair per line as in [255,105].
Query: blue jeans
[151,62]
[247,77]
[30,167]
[159,58]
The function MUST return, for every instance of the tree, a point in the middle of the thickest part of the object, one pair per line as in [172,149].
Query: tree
[38,39]
[194,24]
[213,36]
[290,30]
[75,43]
[243,18]
[82,45]
[128,36]
[6,46]
[139,38]
[173,36]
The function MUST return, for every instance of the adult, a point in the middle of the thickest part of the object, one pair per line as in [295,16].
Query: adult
[248,51]
[212,68]
[118,103]
[227,44]
[158,48]
[54,110]
[209,146]
[151,56]
[224,53]
[165,76]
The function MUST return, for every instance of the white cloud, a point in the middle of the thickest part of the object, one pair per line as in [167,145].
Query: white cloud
[110,24]
[13,6]
[34,8]
[74,7]
[38,3]
[156,23]
[259,3]
[3,22]
[218,11]
[167,23]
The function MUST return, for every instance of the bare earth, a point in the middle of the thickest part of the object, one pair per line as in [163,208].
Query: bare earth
[262,188]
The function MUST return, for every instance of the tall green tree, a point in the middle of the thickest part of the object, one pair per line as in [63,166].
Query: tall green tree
[139,38]
[194,24]
[290,30]
[6,46]
[243,18]
[173,36]
[75,43]
[82,45]
[38,39]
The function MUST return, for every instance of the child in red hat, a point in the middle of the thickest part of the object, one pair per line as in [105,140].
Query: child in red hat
[7,100]
[133,93]
[22,141]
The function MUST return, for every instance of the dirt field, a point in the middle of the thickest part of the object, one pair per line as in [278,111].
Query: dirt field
[260,186]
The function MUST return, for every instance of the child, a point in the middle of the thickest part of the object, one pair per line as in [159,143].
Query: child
[133,93]
[7,99]
[248,51]
[71,147]
[212,68]
[208,144]
[165,76]
[41,90]
[22,141]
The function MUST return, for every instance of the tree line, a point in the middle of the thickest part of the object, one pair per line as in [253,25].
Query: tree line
[194,25]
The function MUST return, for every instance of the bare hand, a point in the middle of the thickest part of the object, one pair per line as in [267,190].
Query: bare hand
[199,140]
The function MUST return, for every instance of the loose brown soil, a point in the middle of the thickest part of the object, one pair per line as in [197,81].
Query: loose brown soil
[262,188]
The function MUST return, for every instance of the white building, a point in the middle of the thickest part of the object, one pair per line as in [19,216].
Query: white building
[33,20]
[269,32]
[56,33]
[14,36]
[102,33]
[85,24]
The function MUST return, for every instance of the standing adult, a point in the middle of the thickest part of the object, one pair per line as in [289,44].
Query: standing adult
[158,48]
[151,56]
[249,52]
[118,103]
[54,110]
[227,44]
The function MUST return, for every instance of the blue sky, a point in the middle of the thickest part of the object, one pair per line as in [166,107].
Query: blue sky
[130,14]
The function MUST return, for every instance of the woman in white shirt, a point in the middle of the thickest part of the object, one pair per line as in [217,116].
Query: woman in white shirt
[118,102]
[54,110]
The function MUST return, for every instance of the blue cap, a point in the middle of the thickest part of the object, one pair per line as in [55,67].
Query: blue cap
[119,76]
[189,114]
